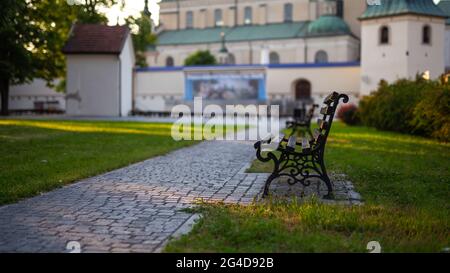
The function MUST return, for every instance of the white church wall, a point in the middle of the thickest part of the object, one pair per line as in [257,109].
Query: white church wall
[159,90]
[324,80]
[426,57]
[382,61]
[338,48]
[404,55]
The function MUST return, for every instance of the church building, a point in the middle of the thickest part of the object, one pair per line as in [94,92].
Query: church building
[289,51]
[278,52]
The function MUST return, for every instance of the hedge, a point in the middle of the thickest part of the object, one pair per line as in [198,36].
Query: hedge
[419,106]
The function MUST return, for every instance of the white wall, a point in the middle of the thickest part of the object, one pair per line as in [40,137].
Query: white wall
[447,46]
[95,80]
[405,55]
[338,49]
[24,96]
[426,57]
[324,80]
[127,61]
[152,89]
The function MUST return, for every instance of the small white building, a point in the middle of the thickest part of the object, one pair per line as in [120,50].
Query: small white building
[100,61]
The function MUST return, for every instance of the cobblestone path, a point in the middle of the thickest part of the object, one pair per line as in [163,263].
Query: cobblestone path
[136,208]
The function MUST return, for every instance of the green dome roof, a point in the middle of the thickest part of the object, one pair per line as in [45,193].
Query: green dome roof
[328,24]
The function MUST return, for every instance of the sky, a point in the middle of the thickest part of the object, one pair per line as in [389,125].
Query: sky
[134,7]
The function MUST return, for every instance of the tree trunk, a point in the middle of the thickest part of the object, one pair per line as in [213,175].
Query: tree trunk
[4,91]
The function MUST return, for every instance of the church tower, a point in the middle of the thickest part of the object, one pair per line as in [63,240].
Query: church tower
[148,14]
[400,39]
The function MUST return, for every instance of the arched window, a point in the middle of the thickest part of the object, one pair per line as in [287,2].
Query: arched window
[384,35]
[189,19]
[288,12]
[321,57]
[218,17]
[426,35]
[274,58]
[248,15]
[169,61]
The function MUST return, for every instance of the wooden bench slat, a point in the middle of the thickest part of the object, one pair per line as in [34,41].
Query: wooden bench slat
[326,110]
[316,133]
[322,124]
[330,98]
[317,136]
[299,113]
[267,139]
[291,143]
[279,140]
[305,144]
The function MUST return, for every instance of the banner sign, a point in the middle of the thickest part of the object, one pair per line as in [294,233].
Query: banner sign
[234,87]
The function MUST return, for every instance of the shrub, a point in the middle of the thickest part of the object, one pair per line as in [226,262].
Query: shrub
[432,113]
[391,107]
[348,113]
[201,57]
[409,106]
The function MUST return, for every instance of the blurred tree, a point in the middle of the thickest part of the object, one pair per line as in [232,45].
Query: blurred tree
[142,35]
[201,57]
[32,34]
[86,11]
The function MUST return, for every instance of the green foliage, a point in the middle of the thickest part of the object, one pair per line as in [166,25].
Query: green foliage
[432,113]
[391,107]
[86,11]
[201,57]
[33,33]
[409,106]
[142,36]
[31,43]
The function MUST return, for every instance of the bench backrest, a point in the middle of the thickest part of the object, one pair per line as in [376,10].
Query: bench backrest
[311,111]
[327,112]
[300,114]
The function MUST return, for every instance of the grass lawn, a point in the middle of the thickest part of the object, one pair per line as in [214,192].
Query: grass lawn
[40,155]
[404,180]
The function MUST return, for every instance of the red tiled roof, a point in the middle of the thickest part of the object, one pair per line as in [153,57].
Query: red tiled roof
[96,39]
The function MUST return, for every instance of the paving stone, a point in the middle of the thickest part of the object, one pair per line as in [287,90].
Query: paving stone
[137,208]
